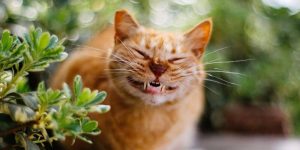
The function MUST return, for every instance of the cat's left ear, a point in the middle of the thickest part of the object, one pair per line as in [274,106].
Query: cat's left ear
[197,39]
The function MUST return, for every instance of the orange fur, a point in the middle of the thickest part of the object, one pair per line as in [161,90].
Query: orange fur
[139,120]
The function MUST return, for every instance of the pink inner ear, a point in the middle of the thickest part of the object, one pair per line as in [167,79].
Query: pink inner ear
[197,39]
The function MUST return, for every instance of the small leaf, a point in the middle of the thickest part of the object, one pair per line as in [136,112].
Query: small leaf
[99,108]
[44,40]
[40,66]
[41,87]
[28,40]
[62,56]
[77,85]
[67,90]
[53,42]
[6,40]
[89,126]
[97,131]
[85,96]
[98,99]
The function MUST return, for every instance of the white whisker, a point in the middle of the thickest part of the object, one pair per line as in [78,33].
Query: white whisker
[233,61]
[215,51]
[222,71]
[222,79]
[129,49]
[216,82]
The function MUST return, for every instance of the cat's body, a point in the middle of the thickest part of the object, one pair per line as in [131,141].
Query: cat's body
[148,115]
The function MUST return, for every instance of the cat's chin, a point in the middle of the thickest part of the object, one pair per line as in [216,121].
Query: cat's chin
[154,88]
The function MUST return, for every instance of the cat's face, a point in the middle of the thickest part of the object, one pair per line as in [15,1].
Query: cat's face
[156,67]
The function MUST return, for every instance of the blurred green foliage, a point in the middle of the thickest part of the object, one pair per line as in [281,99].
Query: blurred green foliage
[255,44]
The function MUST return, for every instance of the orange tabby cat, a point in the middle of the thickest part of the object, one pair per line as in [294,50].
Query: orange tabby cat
[153,80]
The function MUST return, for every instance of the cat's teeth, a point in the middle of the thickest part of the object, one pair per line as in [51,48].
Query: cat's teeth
[145,85]
[162,88]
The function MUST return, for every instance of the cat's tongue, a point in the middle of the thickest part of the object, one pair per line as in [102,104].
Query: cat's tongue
[153,90]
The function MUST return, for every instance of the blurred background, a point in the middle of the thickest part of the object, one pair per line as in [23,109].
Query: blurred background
[252,61]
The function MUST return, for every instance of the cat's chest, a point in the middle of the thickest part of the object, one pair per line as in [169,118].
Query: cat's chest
[136,126]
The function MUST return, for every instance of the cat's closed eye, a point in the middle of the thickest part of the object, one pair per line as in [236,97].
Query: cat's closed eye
[141,53]
[176,59]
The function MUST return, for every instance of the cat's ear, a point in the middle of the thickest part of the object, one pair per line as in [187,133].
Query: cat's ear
[125,25]
[198,38]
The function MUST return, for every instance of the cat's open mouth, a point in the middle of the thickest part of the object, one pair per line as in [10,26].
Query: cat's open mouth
[152,87]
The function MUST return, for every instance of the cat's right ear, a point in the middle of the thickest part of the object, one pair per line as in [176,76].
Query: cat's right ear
[125,25]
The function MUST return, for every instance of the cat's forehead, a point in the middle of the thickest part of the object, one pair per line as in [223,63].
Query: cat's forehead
[155,40]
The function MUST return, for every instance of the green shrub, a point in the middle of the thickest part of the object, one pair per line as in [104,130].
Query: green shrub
[30,118]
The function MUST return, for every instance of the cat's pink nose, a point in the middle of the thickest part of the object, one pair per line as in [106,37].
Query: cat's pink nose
[158,69]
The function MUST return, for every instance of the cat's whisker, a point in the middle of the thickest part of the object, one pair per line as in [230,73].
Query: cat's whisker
[225,62]
[222,79]
[120,71]
[220,49]
[213,71]
[215,81]
[79,46]
[85,47]
[129,49]
[117,69]
[211,90]
[200,82]
[217,70]
[131,64]
[223,71]
[214,60]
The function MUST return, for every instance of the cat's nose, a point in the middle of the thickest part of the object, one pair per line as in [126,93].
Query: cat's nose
[158,69]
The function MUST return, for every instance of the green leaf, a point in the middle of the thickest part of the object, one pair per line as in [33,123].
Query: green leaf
[89,126]
[7,40]
[40,66]
[98,99]
[41,87]
[44,41]
[54,96]
[77,86]
[85,96]
[97,131]
[53,42]
[22,85]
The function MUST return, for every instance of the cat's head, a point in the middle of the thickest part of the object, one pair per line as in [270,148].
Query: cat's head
[156,67]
